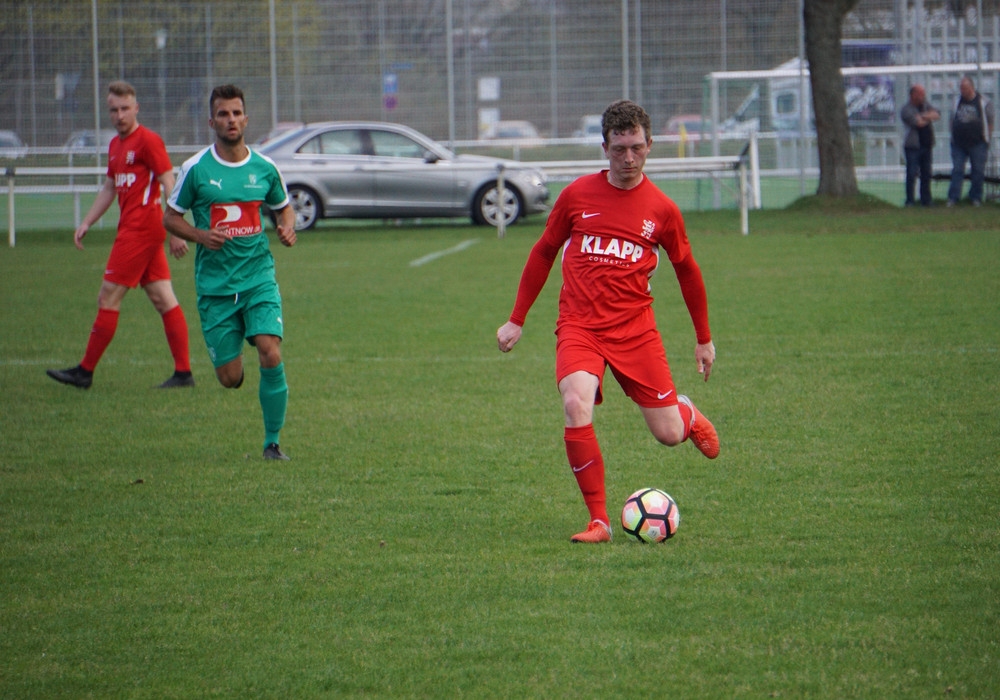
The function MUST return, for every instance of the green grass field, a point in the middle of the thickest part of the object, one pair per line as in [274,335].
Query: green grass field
[845,544]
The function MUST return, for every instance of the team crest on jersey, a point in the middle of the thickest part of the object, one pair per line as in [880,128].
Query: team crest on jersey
[253,184]
[236,218]
[648,227]
[130,158]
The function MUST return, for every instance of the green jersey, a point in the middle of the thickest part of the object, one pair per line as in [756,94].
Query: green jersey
[228,196]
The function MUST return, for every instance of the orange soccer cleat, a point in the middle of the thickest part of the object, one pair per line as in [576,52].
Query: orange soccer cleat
[702,433]
[595,533]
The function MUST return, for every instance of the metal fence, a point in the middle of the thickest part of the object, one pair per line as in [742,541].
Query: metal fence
[446,67]
[455,68]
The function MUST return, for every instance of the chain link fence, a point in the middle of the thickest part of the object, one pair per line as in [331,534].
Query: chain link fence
[462,71]
[446,67]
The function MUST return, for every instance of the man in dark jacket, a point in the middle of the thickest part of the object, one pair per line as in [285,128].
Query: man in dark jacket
[971,130]
[919,116]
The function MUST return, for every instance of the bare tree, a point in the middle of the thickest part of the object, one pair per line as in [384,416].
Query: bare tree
[823,24]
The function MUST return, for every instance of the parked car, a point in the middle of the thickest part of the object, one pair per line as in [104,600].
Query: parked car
[11,145]
[382,170]
[694,125]
[279,129]
[590,128]
[84,140]
[514,129]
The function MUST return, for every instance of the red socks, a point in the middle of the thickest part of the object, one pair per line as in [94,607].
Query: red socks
[106,323]
[175,326]
[686,417]
[101,334]
[585,459]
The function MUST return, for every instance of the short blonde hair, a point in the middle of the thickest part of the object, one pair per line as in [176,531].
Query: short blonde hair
[121,89]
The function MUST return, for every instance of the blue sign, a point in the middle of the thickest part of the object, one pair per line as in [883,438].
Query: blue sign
[390,84]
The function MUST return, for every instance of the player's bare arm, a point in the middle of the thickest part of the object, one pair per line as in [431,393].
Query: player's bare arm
[176,224]
[507,336]
[178,246]
[286,226]
[105,198]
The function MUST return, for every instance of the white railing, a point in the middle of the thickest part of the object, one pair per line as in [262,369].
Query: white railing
[745,167]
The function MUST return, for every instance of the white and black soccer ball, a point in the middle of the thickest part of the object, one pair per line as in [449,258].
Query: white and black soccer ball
[650,515]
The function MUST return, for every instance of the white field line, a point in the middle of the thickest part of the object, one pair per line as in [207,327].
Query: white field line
[430,257]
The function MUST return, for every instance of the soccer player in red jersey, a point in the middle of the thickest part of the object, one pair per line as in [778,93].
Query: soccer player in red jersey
[610,229]
[138,166]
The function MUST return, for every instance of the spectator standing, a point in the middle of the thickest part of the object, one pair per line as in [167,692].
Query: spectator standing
[918,146]
[971,131]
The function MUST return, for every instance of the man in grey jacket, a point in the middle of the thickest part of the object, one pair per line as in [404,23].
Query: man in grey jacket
[971,130]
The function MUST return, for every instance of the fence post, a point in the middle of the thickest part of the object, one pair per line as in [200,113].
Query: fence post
[501,196]
[11,236]
[744,199]
[755,169]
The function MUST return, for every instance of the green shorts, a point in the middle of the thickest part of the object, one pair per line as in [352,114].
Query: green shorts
[227,321]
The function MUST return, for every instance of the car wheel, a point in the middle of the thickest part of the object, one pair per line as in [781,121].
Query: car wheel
[305,204]
[487,208]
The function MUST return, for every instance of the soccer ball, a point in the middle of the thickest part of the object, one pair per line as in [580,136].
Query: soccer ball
[650,515]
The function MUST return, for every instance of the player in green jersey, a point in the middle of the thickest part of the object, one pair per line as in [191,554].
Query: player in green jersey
[224,186]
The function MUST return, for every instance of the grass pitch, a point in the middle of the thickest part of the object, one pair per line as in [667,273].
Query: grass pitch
[846,543]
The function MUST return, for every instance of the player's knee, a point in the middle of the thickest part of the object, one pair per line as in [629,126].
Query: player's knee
[271,358]
[670,438]
[669,433]
[230,376]
[578,410]
[270,354]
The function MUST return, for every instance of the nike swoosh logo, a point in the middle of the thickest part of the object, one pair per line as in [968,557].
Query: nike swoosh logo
[585,215]
[580,469]
[663,396]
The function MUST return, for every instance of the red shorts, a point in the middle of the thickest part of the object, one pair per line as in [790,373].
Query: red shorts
[635,355]
[137,261]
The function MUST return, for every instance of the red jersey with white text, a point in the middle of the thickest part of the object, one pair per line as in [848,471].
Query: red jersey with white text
[134,163]
[611,240]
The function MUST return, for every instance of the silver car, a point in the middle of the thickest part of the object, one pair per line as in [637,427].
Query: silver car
[370,170]
[11,145]
[84,140]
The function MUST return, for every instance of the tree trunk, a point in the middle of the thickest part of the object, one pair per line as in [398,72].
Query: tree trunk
[823,23]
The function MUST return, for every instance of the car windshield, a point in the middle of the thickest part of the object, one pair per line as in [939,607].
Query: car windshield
[271,144]
[363,142]
[343,142]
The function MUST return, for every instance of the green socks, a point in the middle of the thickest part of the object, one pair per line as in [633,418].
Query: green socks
[273,401]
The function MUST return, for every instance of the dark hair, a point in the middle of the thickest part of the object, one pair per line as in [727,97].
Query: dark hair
[225,92]
[121,89]
[623,116]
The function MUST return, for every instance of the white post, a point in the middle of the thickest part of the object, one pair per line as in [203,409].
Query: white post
[273,60]
[625,51]
[10,207]
[501,195]
[97,88]
[744,215]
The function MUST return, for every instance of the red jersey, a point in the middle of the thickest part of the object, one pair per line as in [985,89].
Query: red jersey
[611,241]
[134,163]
